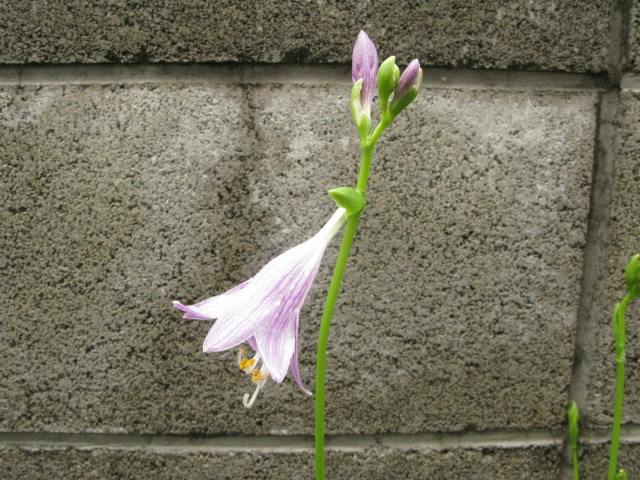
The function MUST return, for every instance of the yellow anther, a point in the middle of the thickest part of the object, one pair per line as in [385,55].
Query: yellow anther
[246,363]
[257,376]
[242,350]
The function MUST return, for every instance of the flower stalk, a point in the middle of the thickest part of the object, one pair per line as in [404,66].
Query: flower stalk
[264,310]
[365,74]
[572,418]
[329,307]
[632,277]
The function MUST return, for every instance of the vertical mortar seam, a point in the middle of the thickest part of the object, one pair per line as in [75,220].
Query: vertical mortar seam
[598,224]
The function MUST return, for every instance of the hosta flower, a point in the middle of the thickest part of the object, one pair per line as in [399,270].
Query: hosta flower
[264,311]
[365,67]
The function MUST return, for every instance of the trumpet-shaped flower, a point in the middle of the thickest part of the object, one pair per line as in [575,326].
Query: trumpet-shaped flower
[264,311]
[365,67]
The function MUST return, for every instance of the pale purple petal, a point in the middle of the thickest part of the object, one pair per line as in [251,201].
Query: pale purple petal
[365,66]
[258,304]
[212,307]
[276,345]
[295,370]
[276,342]
[237,326]
[190,312]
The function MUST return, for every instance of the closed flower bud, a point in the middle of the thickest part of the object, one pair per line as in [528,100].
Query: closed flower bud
[388,76]
[632,275]
[407,88]
[365,68]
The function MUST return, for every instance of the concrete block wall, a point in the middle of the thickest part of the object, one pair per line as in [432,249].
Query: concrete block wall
[167,150]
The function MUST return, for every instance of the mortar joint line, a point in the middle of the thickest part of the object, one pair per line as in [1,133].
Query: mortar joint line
[595,255]
[287,443]
[105,74]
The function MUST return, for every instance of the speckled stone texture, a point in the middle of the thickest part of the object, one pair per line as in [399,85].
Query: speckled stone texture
[459,305]
[633,54]
[516,34]
[539,463]
[594,460]
[624,243]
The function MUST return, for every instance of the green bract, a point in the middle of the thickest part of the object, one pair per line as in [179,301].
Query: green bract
[349,199]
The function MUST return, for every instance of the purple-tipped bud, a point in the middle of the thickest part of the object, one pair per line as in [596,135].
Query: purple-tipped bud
[411,77]
[365,67]
[407,88]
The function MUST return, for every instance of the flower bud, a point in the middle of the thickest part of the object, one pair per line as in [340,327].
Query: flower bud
[621,475]
[407,88]
[388,76]
[632,275]
[365,68]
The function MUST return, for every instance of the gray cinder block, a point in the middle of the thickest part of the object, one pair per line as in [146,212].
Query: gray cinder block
[459,305]
[541,35]
[538,463]
[622,244]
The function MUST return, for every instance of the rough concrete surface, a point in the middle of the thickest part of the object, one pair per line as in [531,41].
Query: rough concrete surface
[594,460]
[539,463]
[460,302]
[633,53]
[624,243]
[516,34]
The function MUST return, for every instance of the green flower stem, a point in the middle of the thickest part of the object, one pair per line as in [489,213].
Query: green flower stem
[323,338]
[619,396]
[368,145]
[367,153]
[572,417]
[576,470]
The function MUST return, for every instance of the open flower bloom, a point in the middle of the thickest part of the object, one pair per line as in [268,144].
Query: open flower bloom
[264,311]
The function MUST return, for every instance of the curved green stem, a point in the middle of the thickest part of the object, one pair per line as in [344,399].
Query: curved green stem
[367,153]
[619,396]
[368,145]
[323,338]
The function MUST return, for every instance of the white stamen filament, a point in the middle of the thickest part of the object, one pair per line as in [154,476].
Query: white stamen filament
[260,379]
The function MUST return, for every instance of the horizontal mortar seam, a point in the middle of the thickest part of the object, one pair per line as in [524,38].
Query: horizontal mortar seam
[106,74]
[304,443]
[630,82]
